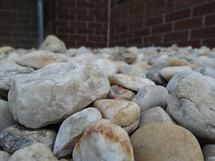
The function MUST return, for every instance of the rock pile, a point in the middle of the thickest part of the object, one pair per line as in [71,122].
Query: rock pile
[111,104]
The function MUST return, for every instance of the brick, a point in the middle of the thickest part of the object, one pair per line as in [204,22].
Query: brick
[85,31]
[85,5]
[162,28]
[210,20]
[208,32]
[127,35]
[66,30]
[163,8]
[81,38]
[184,3]
[85,18]
[154,21]
[209,42]
[95,25]
[136,9]
[187,24]
[142,32]
[153,39]
[135,41]
[122,29]
[195,43]
[204,9]
[62,36]
[135,25]
[94,38]
[81,11]
[182,14]
[142,15]
[60,10]
[153,3]
[77,24]
[177,36]
[65,16]
[127,20]
[60,23]
[68,3]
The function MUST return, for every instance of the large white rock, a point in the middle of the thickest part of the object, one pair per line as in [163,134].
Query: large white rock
[39,59]
[103,141]
[129,82]
[51,94]
[205,61]
[191,103]
[53,44]
[35,152]
[72,129]
[151,96]
[6,118]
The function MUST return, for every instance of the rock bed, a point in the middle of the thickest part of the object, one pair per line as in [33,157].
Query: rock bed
[111,104]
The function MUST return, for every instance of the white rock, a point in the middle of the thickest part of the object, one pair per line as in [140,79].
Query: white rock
[6,118]
[151,96]
[168,72]
[53,44]
[72,129]
[208,71]
[129,82]
[39,59]
[191,103]
[205,61]
[53,93]
[35,152]
[4,156]
[104,141]
[153,115]
[107,66]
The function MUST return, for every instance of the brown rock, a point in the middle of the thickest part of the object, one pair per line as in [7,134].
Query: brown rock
[165,142]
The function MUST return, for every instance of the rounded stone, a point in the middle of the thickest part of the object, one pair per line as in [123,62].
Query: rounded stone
[165,142]
[104,141]
[72,129]
[191,103]
[120,112]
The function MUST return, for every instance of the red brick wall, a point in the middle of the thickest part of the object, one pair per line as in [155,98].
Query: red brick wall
[163,22]
[18,23]
[80,22]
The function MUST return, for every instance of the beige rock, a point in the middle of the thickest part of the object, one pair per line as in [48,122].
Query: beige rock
[165,142]
[104,141]
[51,94]
[209,152]
[39,59]
[35,152]
[117,92]
[5,49]
[72,129]
[4,156]
[53,44]
[129,82]
[120,112]
[168,72]
[153,115]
